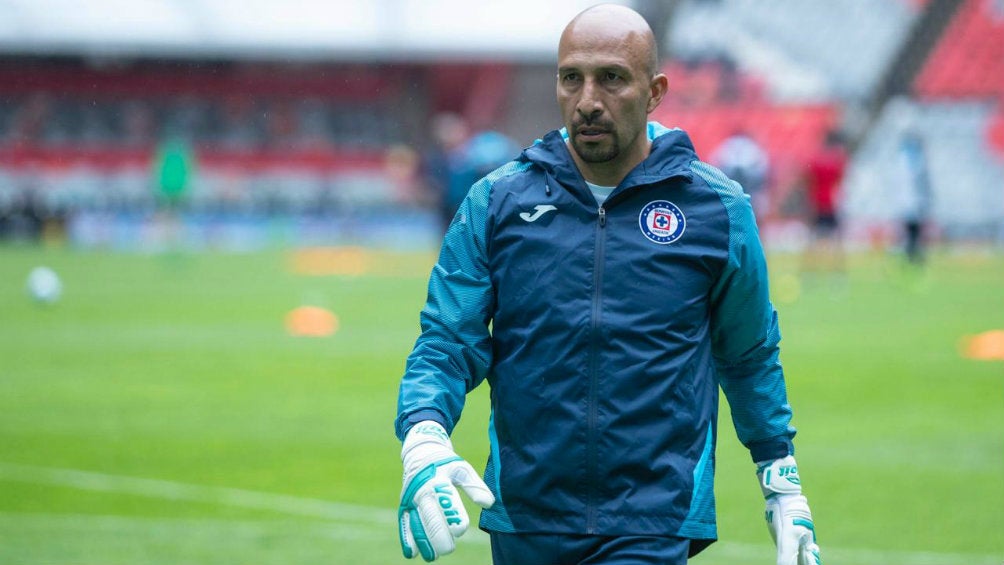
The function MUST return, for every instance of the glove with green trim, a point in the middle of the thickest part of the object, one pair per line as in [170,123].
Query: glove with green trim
[787,514]
[431,515]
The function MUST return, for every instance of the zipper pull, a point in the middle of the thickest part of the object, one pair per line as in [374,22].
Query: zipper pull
[603,216]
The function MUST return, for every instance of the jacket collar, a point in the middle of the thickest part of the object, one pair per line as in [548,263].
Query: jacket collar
[670,156]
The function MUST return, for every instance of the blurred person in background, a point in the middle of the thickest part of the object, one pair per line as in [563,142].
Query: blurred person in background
[21,216]
[459,159]
[912,187]
[604,283]
[174,164]
[486,151]
[743,160]
[823,175]
[442,164]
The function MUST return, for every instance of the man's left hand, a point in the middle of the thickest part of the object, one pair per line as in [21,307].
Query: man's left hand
[788,515]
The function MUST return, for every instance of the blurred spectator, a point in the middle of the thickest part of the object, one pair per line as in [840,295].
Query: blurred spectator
[281,125]
[237,123]
[175,162]
[912,186]
[443,164]
[742,159]
[488,151]
[823,175]
[458,161]
[21,217]
[31,120]
[138,124]
[402,168]
[480,155]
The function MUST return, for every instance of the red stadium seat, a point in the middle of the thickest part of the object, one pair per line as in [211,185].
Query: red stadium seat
[969,59]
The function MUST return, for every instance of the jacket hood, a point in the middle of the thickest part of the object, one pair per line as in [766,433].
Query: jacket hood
[670,156]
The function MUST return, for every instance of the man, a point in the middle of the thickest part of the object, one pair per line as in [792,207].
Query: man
[823,176]
[742,159]
[603,283]
[443,164]
[912,194]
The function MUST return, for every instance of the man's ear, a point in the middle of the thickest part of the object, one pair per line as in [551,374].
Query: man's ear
[657,88]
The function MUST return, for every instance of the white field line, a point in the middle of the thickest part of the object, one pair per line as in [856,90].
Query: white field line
[368,517]
[171,490]
[214,529]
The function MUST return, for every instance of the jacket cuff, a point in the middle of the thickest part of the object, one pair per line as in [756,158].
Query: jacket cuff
[405,424]
[771,449]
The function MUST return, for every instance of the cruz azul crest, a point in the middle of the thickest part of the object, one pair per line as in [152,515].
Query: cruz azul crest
[662,222]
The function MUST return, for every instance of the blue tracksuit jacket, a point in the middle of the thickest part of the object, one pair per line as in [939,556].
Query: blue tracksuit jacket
[604,333]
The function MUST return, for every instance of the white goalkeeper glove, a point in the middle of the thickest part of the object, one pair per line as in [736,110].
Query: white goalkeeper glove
[431,514]
[787,514]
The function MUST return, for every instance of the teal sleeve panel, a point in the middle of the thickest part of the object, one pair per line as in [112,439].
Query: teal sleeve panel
[745,333]
[454,352]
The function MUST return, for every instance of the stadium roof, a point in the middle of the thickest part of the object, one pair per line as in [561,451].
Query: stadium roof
[298,29]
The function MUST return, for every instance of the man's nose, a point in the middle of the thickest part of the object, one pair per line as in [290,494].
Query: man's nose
[589,105]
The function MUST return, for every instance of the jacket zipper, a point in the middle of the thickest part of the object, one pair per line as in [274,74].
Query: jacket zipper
[592,456]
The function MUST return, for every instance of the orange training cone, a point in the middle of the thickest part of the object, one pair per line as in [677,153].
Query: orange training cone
[311,321]
[987,346]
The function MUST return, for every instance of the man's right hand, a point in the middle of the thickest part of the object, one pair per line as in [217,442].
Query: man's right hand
[431,515]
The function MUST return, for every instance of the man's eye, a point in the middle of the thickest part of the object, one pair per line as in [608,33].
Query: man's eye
[570,77]
[609,77]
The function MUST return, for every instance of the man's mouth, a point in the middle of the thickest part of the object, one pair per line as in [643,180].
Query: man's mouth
[590,132]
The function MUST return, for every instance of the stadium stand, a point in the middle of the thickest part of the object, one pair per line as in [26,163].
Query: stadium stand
[876,70]
[93,133]
[81,133]
[812,49]
[955,104]
[969,61]
[967,179]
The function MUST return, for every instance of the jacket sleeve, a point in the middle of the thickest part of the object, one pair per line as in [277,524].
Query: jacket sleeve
[454,352]
[745,333]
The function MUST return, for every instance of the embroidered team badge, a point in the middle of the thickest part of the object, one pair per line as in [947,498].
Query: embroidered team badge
[662,222]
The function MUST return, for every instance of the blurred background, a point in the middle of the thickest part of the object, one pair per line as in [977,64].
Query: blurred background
[329,110]
[217,219]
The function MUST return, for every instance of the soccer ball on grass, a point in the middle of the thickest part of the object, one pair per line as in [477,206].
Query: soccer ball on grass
[44,285]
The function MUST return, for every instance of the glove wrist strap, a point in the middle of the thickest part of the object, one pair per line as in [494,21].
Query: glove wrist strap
[427,431]
[779,477]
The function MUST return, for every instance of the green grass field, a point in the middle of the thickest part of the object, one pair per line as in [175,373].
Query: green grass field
[160,414]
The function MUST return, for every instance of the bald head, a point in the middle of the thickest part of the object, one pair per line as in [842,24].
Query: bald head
[612,26]
[608,84]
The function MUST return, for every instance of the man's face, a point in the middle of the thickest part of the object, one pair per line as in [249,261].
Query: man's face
[605,93]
